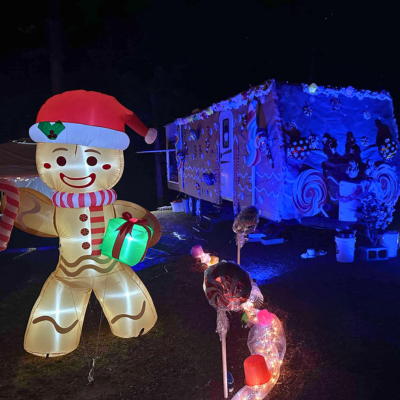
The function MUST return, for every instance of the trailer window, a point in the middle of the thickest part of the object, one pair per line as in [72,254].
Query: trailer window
[172,167]
[225,133]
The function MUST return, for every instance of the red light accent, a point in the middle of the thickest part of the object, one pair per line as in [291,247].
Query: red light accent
[256,370]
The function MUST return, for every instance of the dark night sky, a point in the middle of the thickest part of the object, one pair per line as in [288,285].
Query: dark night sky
[192,53]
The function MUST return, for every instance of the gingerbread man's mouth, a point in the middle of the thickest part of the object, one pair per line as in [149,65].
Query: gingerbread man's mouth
[91,177]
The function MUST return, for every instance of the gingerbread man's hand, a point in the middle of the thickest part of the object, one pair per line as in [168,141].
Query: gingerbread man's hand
[36,213]
[121,206]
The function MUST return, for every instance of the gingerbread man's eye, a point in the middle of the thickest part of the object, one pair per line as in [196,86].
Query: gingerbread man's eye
[61,161]
[92,161]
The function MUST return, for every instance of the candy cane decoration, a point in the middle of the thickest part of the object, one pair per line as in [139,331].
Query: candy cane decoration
[10,212]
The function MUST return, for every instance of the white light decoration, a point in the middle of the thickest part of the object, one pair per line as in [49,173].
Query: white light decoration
[312,88]
[266,339]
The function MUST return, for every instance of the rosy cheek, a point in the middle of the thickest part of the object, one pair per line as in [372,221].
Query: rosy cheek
[47,165]
[106,166]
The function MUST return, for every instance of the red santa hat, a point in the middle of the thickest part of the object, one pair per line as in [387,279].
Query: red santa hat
[87,119]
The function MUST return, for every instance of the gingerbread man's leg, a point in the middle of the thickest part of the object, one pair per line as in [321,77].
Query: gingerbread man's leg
[126,303]
[55,324]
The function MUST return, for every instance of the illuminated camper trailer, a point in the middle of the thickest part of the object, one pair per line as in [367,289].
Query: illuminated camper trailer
[297,152]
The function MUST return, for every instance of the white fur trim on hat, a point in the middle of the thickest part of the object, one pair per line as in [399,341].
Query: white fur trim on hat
[84,135]
[151,136]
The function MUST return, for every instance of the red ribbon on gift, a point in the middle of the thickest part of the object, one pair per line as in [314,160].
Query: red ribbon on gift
[126,228]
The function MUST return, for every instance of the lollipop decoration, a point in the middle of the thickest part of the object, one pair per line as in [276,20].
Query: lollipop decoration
[252,148]
[230,288]
[246,222]
[367,114]
[227,286]
[389,183]
[309,192]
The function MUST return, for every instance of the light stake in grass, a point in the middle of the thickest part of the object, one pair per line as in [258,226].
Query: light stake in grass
[246,222]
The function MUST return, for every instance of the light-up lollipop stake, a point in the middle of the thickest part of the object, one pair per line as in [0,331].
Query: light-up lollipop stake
[246,222]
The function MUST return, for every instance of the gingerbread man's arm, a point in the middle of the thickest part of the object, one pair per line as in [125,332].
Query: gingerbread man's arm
[121,206]
[36,213]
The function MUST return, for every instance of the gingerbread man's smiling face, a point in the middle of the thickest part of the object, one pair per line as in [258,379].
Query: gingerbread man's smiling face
[73,168]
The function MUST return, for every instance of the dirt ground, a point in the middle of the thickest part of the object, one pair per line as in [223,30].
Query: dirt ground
[341,323]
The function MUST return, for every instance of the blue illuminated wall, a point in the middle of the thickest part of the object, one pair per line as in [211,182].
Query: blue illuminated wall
[332,112]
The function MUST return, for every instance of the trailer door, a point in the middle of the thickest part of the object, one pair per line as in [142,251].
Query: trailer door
[226,154]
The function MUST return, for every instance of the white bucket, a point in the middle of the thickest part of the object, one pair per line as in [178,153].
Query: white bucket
[391,241]
[345,248]
[178,206]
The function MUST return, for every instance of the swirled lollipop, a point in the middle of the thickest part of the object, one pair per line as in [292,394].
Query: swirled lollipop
[309,192]
[387,177]
[246,221]
[227,286]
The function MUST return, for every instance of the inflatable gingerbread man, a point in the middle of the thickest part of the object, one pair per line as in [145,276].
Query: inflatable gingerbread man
[80,141]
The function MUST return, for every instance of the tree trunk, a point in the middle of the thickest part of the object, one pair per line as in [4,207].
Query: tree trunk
[159,172]
[54,43]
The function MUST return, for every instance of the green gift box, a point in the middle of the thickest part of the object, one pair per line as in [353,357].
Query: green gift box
[127,239]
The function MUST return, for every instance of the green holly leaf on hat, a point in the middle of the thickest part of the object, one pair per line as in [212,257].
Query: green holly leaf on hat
[51,130]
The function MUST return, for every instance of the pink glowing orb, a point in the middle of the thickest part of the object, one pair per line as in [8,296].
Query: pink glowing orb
[197,251]
[265,317]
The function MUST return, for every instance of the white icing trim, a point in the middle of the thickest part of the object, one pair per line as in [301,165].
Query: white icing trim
[263,89]
[233,103]
[360,94]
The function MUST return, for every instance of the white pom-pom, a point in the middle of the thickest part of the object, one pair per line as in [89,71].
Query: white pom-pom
[151,136]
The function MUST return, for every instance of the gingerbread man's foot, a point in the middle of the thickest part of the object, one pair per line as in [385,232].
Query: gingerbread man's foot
[126,304]
[55,324]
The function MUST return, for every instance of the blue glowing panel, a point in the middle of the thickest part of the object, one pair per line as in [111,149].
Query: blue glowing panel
[335,136]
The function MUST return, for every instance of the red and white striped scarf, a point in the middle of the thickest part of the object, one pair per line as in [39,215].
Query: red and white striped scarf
[95,201]
[79,200]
